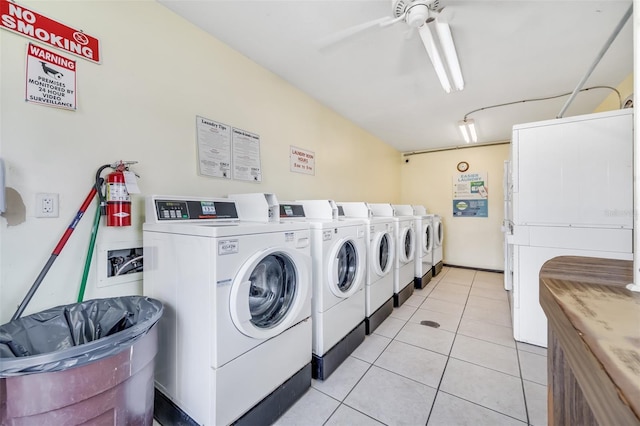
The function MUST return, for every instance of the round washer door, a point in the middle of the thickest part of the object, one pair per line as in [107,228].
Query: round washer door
[383,249]
[439,233]
[269,292]
[428,238]
[345,268]
[407,250]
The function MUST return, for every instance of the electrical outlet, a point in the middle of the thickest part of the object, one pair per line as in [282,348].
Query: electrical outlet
[47,205]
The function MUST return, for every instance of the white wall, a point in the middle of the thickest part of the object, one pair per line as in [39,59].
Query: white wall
[427,180]
[158,73]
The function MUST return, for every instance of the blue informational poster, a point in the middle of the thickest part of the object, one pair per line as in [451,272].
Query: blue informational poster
[470,195]
[470,208]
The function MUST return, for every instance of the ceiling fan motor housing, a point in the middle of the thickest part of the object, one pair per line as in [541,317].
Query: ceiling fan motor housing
[416,12]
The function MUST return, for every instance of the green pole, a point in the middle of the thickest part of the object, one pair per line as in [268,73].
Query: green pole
[92,243]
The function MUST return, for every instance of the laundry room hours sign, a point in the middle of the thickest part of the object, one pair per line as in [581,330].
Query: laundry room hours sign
[470,195]
[302,161]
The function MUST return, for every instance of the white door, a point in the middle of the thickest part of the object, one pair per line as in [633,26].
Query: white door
[345,268]
[427,242]
[439,233]
[382,253]
[267,294]
[408,241]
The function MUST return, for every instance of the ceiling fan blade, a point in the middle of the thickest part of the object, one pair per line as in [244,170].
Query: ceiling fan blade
[450,54]
[351,31]
[409,33]
[434,55]
[446,14]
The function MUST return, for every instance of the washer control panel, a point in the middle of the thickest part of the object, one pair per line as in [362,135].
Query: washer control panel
[166,209]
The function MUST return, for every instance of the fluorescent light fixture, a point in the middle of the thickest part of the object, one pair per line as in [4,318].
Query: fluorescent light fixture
[468,130]
[434,55]
[450,54]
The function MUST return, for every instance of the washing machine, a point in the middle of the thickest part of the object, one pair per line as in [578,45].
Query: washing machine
[235,337]
[381,242]
[424,251]
[423,258]
[338,254]
[404,265]
[438,237]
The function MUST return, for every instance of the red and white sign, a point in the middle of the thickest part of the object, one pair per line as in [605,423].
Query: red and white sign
[302,160]
[28,23]
[51,78]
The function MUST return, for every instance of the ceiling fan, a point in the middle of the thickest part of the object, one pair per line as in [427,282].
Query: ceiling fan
[423,16]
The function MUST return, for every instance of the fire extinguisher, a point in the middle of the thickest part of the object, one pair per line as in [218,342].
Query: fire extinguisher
[117,198]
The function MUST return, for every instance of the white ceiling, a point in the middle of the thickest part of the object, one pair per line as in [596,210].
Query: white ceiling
[508,50]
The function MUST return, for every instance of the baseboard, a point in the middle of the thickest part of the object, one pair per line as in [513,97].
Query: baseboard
[497,271]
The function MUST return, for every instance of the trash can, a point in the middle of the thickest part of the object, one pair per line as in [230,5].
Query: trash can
[89,363]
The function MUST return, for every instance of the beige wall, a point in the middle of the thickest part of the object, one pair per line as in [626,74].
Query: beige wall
[612,101]
[427,179]
[158,73]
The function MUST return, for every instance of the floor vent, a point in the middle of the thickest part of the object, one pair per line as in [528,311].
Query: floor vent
[430,324]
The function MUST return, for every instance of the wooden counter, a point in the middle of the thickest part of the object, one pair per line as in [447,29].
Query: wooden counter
[594,341]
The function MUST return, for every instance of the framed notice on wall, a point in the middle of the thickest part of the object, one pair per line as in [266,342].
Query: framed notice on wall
[246,155]
[227,152]
[214,148]
[302,160]
[470,195]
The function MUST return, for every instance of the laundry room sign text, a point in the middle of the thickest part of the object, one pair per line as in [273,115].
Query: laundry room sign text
[246,155]
[227,152]
[30,24]
[470,195]
[214,148]
[51,78]
[302,161]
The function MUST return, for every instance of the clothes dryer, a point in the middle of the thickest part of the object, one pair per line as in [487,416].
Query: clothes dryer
[438,237]
[338,254]
[381,242]
[404,265]
[235,338]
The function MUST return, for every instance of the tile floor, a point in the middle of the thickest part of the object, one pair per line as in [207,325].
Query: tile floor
[468,371]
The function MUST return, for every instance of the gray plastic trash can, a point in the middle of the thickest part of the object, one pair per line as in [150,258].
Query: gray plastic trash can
[89,363]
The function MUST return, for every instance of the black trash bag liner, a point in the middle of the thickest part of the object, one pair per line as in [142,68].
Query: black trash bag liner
[73,335]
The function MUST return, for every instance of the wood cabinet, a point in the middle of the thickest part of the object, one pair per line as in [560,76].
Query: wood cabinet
[594,341]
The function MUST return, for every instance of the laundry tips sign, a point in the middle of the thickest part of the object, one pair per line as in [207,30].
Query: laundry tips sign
[470,195]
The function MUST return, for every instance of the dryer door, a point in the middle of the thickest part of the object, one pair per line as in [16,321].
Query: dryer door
[382,253]
[269,293]
[345,268]
[408,247]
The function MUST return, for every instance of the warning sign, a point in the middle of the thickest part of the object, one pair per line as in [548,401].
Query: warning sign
[51,78]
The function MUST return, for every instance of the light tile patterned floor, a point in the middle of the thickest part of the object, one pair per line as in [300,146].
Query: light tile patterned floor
[469,371]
